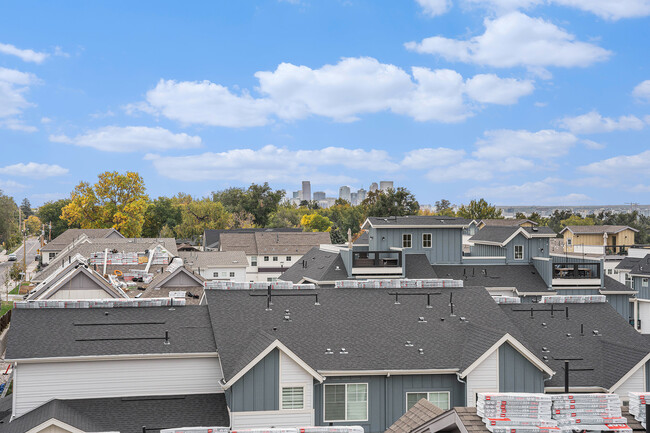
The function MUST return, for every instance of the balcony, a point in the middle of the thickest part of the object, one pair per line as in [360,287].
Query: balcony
[377,263]
[576,274]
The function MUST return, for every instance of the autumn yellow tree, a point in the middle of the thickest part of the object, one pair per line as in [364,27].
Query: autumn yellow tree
[33,224]
[116,200]
[315,223]
[200,215]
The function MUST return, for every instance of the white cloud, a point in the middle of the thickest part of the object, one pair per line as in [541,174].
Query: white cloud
[504,5]
[342,92]
[430,157]
[131,139]
[271,163]
[544,144]
[34,170]
[11,185]
[434,8]
[46,120]
[15,124]
[25,55]
[632,165]
[516,39]
[590,144]
[642,91]
[593,122]
[610,9]
[13,86]
[535,192]
[488,88]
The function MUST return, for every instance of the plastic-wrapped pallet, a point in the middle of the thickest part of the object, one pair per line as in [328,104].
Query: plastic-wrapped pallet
[346,284]
[507,299]
[591,412]
[197,430]
[337,429]
[574,299]
[410,284]
[282,285]
[266,430]
[304,286]
[638,401]
[520,412]
[259,285]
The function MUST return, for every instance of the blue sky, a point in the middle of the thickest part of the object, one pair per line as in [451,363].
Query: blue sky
[518,101]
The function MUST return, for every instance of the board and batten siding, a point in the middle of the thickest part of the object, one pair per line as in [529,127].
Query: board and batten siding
[258,389]
[35,384]
[621,304]
[516,373]
[80,286]
[635,383]
[446,243]
[481,250]
[484,378]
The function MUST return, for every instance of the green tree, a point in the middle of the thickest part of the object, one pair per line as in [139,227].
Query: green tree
[258,200]
[50,212]
[162,212]
[556,218]
[394,202]
[344,217]
[26,208]
[577,220]
[116,200]
[287,215]
[478,210]
[200,215]
[315,223]
[443,207]
[9,233]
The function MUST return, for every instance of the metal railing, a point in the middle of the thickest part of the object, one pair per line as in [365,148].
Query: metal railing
[377,259]
[576,270]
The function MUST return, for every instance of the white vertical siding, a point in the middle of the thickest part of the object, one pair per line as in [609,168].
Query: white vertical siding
[279,419]
[644,315]
[81,294]
[38,383]
[484,378]
[292,374]
[634,383]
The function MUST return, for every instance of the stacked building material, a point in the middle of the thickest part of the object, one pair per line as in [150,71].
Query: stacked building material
[397,283]
[276,285]
[506,299]
[638,401]
[516,412]
[101,303]
[574,299]
[592,412]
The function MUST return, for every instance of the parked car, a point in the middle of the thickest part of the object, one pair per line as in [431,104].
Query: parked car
[12,258]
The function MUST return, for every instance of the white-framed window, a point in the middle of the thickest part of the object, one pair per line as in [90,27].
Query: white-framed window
[407,240]
[293,397]
[615,271]
[253,260]
[271,280]
[644,282]
[275,258]
[609,272]
[52,255]
[345,402]
[439,398]
[426,240]
[288,259]
[215,274]
[519,252]
[266,258]
[569,242]
[232,275]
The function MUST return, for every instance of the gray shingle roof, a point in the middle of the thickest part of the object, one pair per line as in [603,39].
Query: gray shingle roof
[363,238]
[611,355]
[500,234]
[422,412]
[636,265]
[128,414]
[418,267]
[318,265]
[216,259]
[417,220]
[510,222]
[367,323]
[611,285]
[273,243]
[524,277]
[65,238]
[597,230]
[212,236]
[45,333]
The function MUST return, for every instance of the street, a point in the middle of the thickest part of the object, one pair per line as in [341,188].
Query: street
[32,247]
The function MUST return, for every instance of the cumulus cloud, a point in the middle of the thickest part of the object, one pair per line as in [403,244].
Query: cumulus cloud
[431,157]
[593,122]
[341,92]
[537,192]
[642,91]
[610,9]
[11,185]
[633,165]
[515,39]
[13,86]
[271,163]
[130,139]
[504,143]
[34,170]
[434,8]
[25,55]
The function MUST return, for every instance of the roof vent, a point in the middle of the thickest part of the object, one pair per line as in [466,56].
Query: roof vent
[287,316]
[408,343]
[596,333]
[329,351]
[463,319]
[421,320]
[338,268]
[166,338]
[568,335]
[545,358]
[543,324]
[421,351]
[545,349]
[343,351]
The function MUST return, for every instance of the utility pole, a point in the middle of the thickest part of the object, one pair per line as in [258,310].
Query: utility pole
[49,237]
[24,251]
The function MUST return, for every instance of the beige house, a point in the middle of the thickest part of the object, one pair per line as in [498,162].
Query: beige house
[597,239]
[507,222]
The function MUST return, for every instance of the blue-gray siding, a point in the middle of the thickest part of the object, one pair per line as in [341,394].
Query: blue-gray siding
[481,250]
[647,376]
[621,303]
[565,292]
[516,373]
[446,243]
[644,292]
[567,259]
[259,388]
[545,270]
[387,396]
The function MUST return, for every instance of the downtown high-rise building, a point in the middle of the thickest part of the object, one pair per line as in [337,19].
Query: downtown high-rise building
[385,185]
[361,195]
[344,193]
[319,195]
[374,187]
[306,190]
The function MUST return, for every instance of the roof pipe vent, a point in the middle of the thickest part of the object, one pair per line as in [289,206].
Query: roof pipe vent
[422,320]
[166,338]
[343,351]
[329,351]
[408,343]
[420,351]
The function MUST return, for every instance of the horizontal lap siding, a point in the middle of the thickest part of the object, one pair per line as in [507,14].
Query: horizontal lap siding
[277,419]
[483,378]
[635,383]
[37,383]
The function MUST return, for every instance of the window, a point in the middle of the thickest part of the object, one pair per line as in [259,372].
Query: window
[406,240]
[266,258]
[254,261]
[232,275]
[348,402]
[293,397]
[439,398]
[519,252]
[426,240]
[271,280]
[288,258]
[569,242]
[609,272]
[275,258]
[52,255]
[215,274]
[644,282]
[615,271]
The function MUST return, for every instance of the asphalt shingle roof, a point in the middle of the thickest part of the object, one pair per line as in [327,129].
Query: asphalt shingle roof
[316,265]
[636,265]
[612,354]
[367,323]
[597,230]
[524,277]
[611,285]
[66,332]
[273,243]
[500,234]
[509,222]
[216,259]
[68,236]
[128,414]
[212,237]
[422,412]
[416,220]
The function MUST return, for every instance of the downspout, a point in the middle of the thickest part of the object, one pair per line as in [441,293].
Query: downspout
[464,383]
[105,261]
